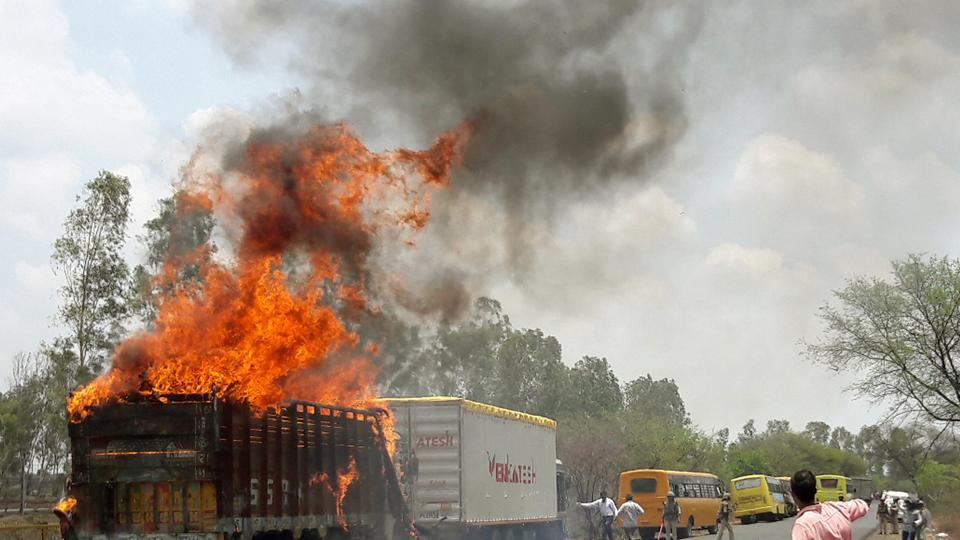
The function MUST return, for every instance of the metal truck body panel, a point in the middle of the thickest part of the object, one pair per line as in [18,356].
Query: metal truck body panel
[195,467]
[474,465]
[509,469]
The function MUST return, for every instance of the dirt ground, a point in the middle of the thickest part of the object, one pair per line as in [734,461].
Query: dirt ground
[25,527]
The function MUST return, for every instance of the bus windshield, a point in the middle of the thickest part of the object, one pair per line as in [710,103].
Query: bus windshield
[829,483]
[747,483]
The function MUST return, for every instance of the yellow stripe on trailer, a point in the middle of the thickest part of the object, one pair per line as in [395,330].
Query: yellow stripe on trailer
[484,408]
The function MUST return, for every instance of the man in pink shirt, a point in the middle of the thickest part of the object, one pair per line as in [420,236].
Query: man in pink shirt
[823,521]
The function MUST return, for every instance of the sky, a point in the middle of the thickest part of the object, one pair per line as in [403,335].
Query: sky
[817,143]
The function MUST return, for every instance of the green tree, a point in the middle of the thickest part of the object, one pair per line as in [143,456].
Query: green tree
[94,297]
[749,462]
[180,234]
[841,438]
[900,336]
[655,398]
[595,387]
[748,432]
[778,426]
[818,432]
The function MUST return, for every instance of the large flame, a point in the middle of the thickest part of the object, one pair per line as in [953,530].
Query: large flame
[273,321]
[345,478]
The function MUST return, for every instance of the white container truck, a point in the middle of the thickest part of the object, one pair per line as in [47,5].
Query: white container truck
[475,471]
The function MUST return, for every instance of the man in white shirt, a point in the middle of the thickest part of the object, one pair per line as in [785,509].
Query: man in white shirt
[608,511]
[630,511]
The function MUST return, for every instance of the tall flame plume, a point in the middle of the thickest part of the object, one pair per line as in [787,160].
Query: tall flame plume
[276,320]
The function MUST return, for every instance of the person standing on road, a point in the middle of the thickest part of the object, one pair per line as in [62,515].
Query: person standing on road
[607,509]
[671,515]
[630,511]
[925,519]
[910,518]
[724,516]
[822,521]
[893,513]
[883,516]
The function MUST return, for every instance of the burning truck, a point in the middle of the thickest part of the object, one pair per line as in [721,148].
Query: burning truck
[197,467]
[177,467]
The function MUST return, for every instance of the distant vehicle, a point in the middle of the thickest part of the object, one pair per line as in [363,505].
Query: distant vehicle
[860,487]
[831,487]
[698,494]
[757,496]
[472,470]
[788,495]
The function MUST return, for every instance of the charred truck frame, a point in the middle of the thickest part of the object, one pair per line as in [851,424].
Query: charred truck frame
[194,467]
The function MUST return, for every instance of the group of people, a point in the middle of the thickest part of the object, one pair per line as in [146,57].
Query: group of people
[670,516]
[815,521]
[916,517]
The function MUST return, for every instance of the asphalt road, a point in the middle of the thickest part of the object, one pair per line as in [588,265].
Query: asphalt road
[781,529]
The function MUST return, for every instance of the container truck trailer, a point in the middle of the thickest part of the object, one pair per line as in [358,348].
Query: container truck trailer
[192,467]
[469,470]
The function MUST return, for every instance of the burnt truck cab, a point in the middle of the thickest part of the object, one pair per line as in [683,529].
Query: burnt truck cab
[192,467]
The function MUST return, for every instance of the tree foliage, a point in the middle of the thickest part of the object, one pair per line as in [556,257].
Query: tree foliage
[88,257]
[900,335]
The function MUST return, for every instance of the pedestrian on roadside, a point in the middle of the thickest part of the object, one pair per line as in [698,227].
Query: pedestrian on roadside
[822,521]
[926,519]
[910,518]
[883,516]
[630,511]
[893,515]
[671,515]
[724,516]
[607,509]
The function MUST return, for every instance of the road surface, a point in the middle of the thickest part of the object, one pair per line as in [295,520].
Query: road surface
[781,529]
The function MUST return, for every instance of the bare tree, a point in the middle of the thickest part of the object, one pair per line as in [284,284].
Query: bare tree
[900,336]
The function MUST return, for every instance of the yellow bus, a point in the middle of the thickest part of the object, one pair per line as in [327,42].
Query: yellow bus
[758,496]
[698,494]
[788,495]
[831,487]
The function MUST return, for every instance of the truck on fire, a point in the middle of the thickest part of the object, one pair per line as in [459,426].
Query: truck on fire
[471,470]
[194,467]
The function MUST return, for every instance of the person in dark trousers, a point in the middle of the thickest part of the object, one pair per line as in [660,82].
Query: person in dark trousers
[608,511]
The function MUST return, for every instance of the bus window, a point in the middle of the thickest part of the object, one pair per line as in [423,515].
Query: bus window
[643,485]
[747,483]
[829,483]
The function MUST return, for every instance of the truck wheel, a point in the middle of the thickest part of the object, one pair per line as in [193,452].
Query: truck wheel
[685,532]
[712,529]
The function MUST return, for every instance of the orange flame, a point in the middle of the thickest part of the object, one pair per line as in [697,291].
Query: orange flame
[345,478]
[274,322]
[66,505]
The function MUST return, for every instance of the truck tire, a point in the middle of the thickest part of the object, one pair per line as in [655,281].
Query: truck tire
[685,532]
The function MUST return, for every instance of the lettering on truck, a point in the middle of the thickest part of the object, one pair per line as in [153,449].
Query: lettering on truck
[437,441]
[508,473]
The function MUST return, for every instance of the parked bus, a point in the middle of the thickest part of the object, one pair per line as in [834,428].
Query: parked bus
[788,495]
[831,487]
[756,497]
[698,494]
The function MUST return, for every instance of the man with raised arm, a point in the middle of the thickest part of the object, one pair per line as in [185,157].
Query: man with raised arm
[822,521]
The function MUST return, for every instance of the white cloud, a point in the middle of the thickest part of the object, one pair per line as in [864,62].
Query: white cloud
[777,172]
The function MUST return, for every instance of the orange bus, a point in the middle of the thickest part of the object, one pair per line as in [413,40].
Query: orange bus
[698,494]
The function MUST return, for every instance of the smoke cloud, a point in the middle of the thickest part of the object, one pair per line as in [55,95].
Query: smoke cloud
[565,98]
